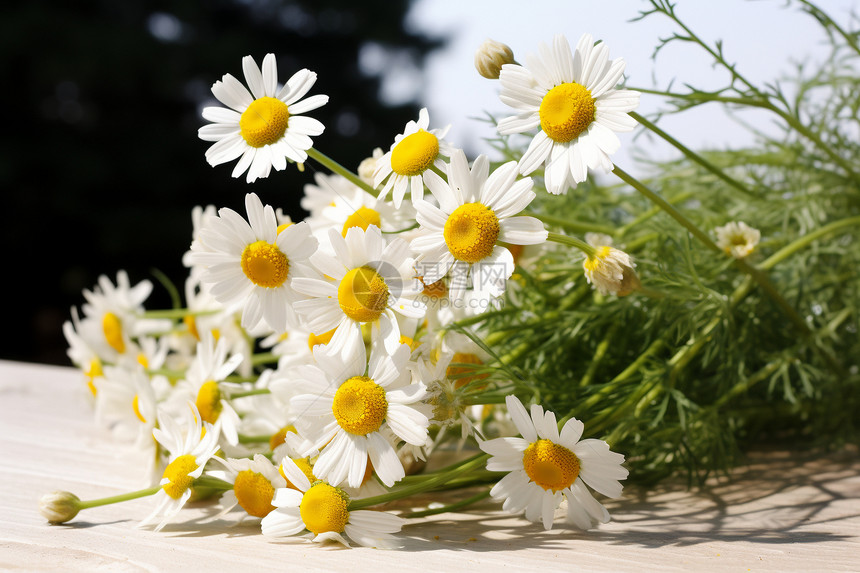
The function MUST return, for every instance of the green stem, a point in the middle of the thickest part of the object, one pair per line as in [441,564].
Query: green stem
[668,208]
[257,392]
[803,241]
[263,358]
[119,498]
[572,242]
[576,226]
[336,167]
[450,507]
[440,478]
[690,154]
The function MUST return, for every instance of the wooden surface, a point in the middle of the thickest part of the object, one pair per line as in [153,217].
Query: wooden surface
[783,512]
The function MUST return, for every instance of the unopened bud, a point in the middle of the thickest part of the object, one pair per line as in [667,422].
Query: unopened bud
[59,506]
[367,167]
[491,56]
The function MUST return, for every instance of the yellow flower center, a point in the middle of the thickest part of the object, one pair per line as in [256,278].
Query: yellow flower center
[362,294]
[254,492]
[434,290]
[94,372]
[459,373]
[360,405]
[323,338]
[280,436]
[415,153]
[112,327]
[283,226]
[471,232]
[593,263]
[566,111]
[177,472]
[264,122]
[363,217]
[209,402]
[265,265]
[550,465]
[191,323]
[323,509]
[303,464]
[135,404]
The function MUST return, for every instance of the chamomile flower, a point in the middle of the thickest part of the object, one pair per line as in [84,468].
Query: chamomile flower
[611,271]
[323,510]
[264,127]
[547,466]
[737,239]
[191,444]
[113,316]
[345,413]
[254,484]
[203,384]
[254,262]
[571,96]
[81,353]
[411,157]
[366,282]
[476,212]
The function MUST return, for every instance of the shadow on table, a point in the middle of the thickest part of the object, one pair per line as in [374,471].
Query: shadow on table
[777,498]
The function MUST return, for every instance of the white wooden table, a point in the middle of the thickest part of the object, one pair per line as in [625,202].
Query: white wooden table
[783,512]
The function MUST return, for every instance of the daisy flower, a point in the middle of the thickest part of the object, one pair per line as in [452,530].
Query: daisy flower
[411,157]
[254,262]
[254,485]
[190,445]
[737,239]
[81,353]
[366,282]
[572,97]
[323,510]
[263,127]
[546,467]
[345,412]
[611,271]
[476,211]
[203,385]
[112,316]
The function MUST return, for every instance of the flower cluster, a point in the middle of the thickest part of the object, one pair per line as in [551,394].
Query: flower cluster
[316,364]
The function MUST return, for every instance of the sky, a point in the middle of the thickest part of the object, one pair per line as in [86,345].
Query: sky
[762,36]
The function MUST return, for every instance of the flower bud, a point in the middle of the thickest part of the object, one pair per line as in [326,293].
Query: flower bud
[59,506]
[611,271]
[367,167]
[491,56]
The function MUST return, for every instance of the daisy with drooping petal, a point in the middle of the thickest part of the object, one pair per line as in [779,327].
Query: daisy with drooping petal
[323,510]
[254,485]
[546,466]
[572,98]
[190,445]
[611,271]
[367,281]
[737,239]
[254,262]
[345,412]
[263,127]
[412,155]
[476,212]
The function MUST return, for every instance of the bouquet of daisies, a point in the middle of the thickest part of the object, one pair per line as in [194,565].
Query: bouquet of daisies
[323,376]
